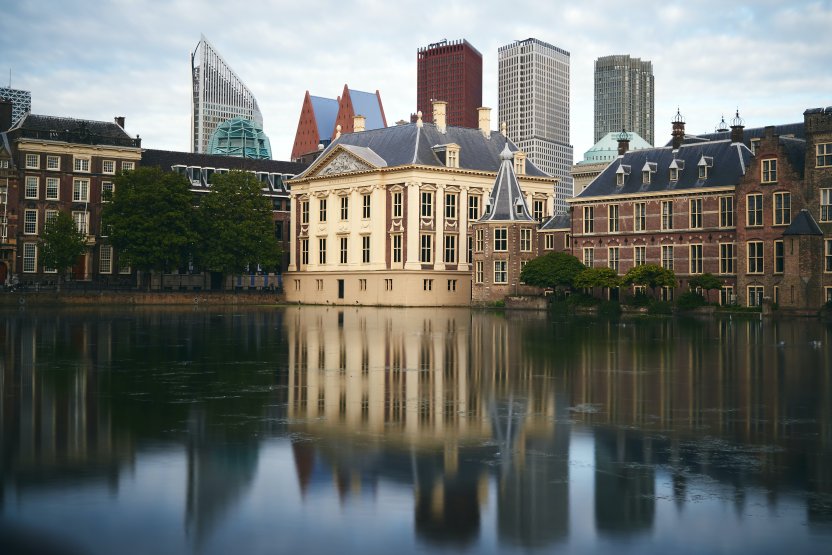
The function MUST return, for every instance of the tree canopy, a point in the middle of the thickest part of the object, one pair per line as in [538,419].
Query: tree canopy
[706,282]
[555,269]
[61,244]
[149,219]
[235,225]
[650,275]
[597,277]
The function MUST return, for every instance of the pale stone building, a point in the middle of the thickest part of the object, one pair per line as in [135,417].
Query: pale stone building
[383,217]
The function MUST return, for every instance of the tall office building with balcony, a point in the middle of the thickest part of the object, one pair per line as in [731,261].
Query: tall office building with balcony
[624,96]
[218,95]
[533,101]
[451,72]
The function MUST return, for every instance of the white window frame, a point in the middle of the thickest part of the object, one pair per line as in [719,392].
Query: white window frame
[31,187]
[366,206]
[525,240]
[473,208]
[128,166]
[757,213]
[108,167]
[589,219]
[755,261]
[782,213]
[426,248]
[80,190]
[500,239]
[81,218]
[30,258]
[53,185]
[768,170]
[81,164]
[30,227]
[53,162]
[32,161]
[500,272]
[696,261]
[105,259]
[640,216]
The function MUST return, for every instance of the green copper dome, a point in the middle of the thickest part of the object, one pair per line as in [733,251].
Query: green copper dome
[242,138]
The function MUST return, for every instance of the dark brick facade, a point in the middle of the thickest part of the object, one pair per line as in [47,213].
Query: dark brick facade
[451,72]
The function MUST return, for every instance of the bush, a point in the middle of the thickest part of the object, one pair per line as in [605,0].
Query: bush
[609,308]
[639,299]
[582,299]
[690,300]
[660,307]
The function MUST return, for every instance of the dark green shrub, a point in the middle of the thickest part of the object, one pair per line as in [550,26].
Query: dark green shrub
[690,300]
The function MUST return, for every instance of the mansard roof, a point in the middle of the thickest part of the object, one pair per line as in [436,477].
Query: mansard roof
[803,224]
[506,202]
[726,163]
[561,220]
[71,130]
[796,130]
[413,144]
[166,159]
[795,150]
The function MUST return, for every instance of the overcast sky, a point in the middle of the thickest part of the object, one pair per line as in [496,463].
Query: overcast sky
[98,59]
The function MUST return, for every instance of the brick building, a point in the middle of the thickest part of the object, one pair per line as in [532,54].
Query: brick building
[452,72]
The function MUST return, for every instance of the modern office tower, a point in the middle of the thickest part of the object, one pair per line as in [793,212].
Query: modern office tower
[21,102]
[450,71]
[218,95]
[624,96]
[533,101]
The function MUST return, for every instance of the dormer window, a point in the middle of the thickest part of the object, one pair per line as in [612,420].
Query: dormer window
[622,171]
[646,172]
[448,154]
[674,174]
[518,207]
[488,206]
[520,162]
[704,163]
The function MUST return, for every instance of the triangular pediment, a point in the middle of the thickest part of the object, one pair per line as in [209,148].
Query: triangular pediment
[346,159]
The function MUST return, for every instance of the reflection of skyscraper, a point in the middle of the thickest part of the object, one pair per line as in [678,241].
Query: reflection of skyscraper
[218,95]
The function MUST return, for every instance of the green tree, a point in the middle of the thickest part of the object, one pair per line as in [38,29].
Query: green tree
[650,275]
[555,269]
[707,282]
[597,277]
[61,244]
[149,219]
[235,225]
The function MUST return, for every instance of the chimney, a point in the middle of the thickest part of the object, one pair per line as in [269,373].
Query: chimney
[419,121]
[485,121]
[678,130]
[503,128]
[5,114]
[737,126]
[338,131]
[439,108]
[119,121]
[358,124]
[623,142]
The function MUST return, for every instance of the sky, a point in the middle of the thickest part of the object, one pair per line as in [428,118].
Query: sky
[96,59]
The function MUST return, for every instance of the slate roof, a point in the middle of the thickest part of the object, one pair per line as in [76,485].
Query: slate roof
[728,164]
[797,130]
[166,159]
[803,224]
[411,144]
[561,220]
[368,105]
[73,130]
[326,110]
[506,202]
[795,150]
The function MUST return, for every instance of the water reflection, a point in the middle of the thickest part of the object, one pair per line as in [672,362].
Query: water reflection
[471,430]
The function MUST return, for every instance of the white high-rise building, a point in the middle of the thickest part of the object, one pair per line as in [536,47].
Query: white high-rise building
[218,95]
[533,101]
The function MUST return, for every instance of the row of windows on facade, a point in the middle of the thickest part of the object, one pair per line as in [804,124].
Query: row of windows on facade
[79,164]
[696,261]
[30,220]
[781,213]
[105,261]
[427,284]
[426,246]
[426,207]
[80,189]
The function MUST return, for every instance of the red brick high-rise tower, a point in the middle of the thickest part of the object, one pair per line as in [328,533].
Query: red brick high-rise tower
[450,71]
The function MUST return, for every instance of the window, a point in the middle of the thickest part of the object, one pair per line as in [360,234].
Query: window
[473,208]
[755,295]
[478,274]
[769,171]
[613,258]
[397,248]
[755,257]
[479,242]
[824,154]
[344,250]
[667,257]
[703,171]
[322,210]
[4,226]
[107,192]
[526,240]
[397,205]
[49,216]
[782,208]
[726,211]
[127,166]
[639,256]
[550,241]
[779,257]
[362,284]
[500,272]
[589,219]
[427,204]
[726,258]
[450,206]
[52,188]
[30,222]
[589,257]
[696,259]
[32,186]
[30,257]
[696,213]
[53,162]
[450,249]
[81,220]
[537,210]
[826,205]
[105,259]
[304,251]
[81,164]
[500,239]
[612,218]
[470,241]
[426,251]
[365,207]
[640,216]
[365,249]
[32,162]
[304,212]
[726,295]
[80,190]
[645,177]
[754,210]
[108,167]
[667,214]
[674,174]
[427,284]
[827,255]
[619,178]
[123,267]
[388,284]
[451,285]
[322,251]
[345,208]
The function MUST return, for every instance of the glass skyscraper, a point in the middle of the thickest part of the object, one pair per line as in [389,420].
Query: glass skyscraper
[624,96]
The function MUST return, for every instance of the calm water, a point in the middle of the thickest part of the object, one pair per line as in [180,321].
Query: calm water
[319,430]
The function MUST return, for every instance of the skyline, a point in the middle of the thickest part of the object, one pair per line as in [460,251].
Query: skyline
[764,58]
